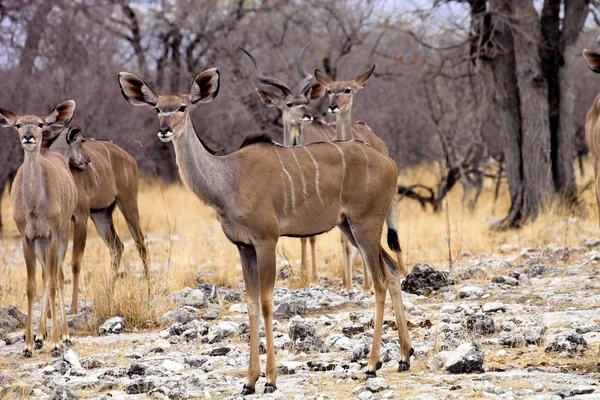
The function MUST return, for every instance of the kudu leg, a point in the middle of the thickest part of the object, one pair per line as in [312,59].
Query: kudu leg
[304,278]
[265,255]
[347,277]
[29,254]
[314,278]
[79,240]
[104,224]
[39,247]
[250,271]
[63,244]
[51,254]
[132,217]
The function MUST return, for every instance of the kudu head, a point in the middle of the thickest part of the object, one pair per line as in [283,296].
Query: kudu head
[30,127]
[172,109]
[593,59]
[341,93]
[293,106]
[68,142]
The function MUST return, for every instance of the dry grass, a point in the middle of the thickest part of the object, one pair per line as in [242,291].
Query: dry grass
[184,238]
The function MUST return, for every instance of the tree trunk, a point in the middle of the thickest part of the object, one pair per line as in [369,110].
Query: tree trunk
[35,29]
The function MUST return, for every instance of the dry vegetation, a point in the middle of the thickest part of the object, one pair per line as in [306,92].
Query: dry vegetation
[186,243]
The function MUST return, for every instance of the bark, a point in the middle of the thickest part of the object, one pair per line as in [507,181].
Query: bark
[135,37]
[35,29]
[533,95]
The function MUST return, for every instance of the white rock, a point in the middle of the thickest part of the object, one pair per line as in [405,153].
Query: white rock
[162,344]
[71,358]
[377,384]
[365,395]
[494,307]
[239,308]
[112,325]
[470,291]
[172,366]
[450,309]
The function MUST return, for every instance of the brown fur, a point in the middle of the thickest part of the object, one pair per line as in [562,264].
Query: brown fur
[105,176]
[44,199]
[265,191]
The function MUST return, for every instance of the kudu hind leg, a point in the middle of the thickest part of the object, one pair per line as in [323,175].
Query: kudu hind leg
[104,225]
[63,244]
[265,255]
[314,278]
[79,241]
[29,255]
[395,289]
[250,271]
[131,213]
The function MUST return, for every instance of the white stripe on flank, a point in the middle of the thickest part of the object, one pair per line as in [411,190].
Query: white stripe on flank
[291,182]
[343,162]
[316,173]
[301,173]
[367,160]
[95,173]
[107,152]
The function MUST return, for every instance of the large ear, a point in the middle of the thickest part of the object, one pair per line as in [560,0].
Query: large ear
[135,90]
[593,60]
[269,99]
[363,77]
[205,87]
[322,78]
[316,91]
[72,134]
[7,118]
[62,114]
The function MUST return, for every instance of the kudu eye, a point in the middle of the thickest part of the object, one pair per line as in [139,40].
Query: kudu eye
[40,125]
[181,109]
[290,105]
[18,126]
[157,110]
[348,91]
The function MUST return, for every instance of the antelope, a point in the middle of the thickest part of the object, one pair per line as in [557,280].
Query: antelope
[592,134]
[264,191]
[106,176]
[299,127]
[44,199]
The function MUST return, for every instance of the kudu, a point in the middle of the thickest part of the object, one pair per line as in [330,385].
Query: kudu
[106,176]
[264,191]
[592,133]
[299,127]
[44,199]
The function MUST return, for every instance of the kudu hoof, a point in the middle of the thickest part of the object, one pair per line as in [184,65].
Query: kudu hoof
[379,364]
[370,374]
[27,353]
[68,342]
[38,344]
[56,353]
[246,391]
[598,366]
[269,388]
[403,366]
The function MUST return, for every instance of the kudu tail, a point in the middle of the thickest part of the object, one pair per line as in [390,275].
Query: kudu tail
[397,268]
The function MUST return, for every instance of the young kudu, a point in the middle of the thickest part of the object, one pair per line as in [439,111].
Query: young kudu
[106,176]
[299,127]
[44,199]
[592,133]
[264,191]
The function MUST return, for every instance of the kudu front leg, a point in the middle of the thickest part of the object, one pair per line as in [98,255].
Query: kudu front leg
[51,264]
[314,278]
[250,271]
[266,275]
[29,254]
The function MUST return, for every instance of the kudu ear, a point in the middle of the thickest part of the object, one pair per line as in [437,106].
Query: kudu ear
[316,91]
[7,118]
[61,115]
[136,91]
[593,60]
[322,78]
[205,87]
[72,134]
[269,99]
[363,77]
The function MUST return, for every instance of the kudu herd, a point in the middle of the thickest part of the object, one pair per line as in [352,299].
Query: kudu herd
[324,175]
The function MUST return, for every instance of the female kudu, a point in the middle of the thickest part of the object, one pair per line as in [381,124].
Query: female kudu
[44,197]
[264,191]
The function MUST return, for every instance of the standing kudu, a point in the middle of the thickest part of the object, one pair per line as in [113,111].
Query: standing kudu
[44,199]
[264,191]
[106,176]
[298,128]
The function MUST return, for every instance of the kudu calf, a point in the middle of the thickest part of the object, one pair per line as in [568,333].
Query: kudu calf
[264,191]
[106,176]
[44,199]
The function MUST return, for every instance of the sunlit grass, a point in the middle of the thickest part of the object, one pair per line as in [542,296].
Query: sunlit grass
[186,245]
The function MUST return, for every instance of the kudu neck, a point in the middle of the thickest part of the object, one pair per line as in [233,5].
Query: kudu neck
[292,134]
[207,175]
[33,179]
[343,125]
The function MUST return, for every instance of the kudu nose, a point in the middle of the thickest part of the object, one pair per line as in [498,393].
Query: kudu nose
[28,137]
[333,108]
[163,130]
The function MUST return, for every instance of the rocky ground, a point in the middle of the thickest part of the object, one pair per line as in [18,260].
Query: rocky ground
[518,325]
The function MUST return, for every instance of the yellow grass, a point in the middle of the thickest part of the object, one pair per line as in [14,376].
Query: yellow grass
[184,238]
